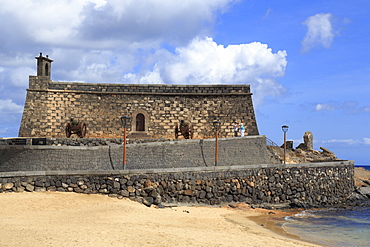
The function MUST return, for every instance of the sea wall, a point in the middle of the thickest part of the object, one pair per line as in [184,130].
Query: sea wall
[315,184]
[108,155]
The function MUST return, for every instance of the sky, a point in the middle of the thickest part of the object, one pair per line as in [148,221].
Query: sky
[307,62]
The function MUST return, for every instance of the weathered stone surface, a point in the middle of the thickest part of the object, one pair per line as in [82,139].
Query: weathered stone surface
[30,187]
[131,189]
[8,186]
[116,185]
[125,193]
[40,189]
[20,189]
[148,201]
[51,188]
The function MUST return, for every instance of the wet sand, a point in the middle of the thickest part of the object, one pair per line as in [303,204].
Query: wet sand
[70,219]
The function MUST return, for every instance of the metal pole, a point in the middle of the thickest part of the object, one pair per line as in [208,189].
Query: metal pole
[284,147]
[216,151]
[124,148]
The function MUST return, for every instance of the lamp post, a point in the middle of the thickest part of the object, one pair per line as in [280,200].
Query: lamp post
[216,125]
[285,129]
[124,121]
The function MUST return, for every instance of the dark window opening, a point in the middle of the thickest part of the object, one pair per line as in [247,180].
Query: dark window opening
[46,70]
[140,122]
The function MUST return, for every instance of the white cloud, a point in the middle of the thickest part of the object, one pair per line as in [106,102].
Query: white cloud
[348,142]
[8,106]
[319,33]
[324,107]
[268,12]
[343,141]
[18,76]
[349,107]
[204,61]
[14,77]
[123,41]
[98,24]
[366,141]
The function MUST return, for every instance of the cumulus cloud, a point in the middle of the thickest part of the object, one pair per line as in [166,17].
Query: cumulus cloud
[98,24]
[8,106]
[18,75]
[147,21]
[204,61]
[98,40]
[367,141]
[133,41]
[319,32]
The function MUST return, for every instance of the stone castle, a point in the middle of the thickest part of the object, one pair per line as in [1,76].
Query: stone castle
[154,109]
[159,170]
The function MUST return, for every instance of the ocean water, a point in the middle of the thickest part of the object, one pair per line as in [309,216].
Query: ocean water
[332,227]
[366,166]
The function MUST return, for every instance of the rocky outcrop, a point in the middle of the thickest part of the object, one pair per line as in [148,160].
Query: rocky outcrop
[304,152]
[362,185]
[298,155]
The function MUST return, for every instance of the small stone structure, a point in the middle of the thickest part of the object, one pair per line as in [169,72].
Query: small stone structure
[308,140]
[154,109]
[307,145]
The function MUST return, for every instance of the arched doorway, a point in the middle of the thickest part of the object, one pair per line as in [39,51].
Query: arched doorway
[140,122]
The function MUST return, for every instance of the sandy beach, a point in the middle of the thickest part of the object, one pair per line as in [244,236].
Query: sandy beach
[70,219]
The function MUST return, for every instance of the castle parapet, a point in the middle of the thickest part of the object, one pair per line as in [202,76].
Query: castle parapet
[39,82]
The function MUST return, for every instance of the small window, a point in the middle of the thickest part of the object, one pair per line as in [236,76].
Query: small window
[140,122]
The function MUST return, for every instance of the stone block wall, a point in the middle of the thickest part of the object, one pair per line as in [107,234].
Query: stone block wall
[306,185]
[50,105]
[167,154]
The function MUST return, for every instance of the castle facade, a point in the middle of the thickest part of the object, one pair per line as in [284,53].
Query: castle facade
[154,109]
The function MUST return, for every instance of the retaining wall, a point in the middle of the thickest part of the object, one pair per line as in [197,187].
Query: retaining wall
[168,154]
[314,184]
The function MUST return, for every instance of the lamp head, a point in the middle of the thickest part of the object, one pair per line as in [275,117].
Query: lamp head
[285,128]
[217,125]
[125,120]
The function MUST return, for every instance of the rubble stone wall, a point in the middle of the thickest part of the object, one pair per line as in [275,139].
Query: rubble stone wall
[316,184]
[50,105]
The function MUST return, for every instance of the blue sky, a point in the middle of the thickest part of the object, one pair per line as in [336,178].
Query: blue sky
[306,61]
